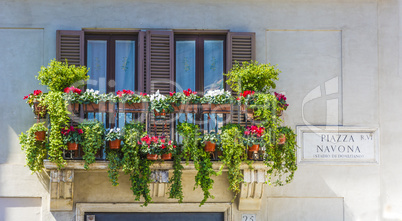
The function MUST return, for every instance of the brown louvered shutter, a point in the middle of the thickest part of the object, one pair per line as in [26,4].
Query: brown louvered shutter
[240,48]
[159,71]
[159,62]
[142,79]
[70,46]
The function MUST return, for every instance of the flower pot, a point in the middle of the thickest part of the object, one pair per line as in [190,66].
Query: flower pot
[73,108]
[115,144]
[160,114]
[209,146]
[282,139]
[133,107]
[167,156]
[152,156]
[100,107]
[185,108]
[39,110]
[216,108]
[40,135]
[72,146]
[254,148]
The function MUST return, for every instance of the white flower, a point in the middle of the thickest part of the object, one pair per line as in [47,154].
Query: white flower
[96,92]
[216,93]
[157,96]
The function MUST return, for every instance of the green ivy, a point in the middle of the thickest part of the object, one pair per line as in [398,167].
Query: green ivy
[252,77]
[191,138]
[35,150]
[233,155]
[59,75]
[204,173]
[176,187]
[58,115]
[140,179]
[92,140]
[281,159]
[114,158]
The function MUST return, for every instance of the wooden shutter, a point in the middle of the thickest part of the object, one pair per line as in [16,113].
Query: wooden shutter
[142,78]
[240,47]
[159,61]
[159,70]
[70,46]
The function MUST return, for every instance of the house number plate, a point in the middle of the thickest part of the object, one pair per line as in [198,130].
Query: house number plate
[248,217]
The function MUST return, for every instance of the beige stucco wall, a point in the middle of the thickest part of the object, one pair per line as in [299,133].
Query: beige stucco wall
[357,42]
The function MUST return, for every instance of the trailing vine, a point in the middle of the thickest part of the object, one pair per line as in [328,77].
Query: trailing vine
[203,177]
[58,114]
[190,134]
[114,158]
[92,140]
[281,159]
[133,164]
[176,187]
[233,155]
[35,150]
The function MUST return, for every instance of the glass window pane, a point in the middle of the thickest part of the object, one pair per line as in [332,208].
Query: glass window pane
[125,65]
[185,65]
[213,65]
[96,62]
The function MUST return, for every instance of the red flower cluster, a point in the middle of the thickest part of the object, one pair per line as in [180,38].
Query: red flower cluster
[65,131]
[156,140]
[72,89]
[121,93]
[246,93]
[172,93]
[35,93]
[254,130]
[188,92]
[282,99]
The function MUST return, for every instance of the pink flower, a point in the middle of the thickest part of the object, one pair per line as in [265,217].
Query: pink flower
[170,142]
[26,97]
[138,142]
[163,146]
[37,92]
[246,132]
[171,93]
[80,131]
[163,140]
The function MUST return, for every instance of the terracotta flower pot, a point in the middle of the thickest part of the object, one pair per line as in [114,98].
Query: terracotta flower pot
[219,108]
[152,156]
[115,144]
[254,148]
[167,156]
[209,146]
[39,110]
[282,139]
[160,114]
[72,146]
[40,135]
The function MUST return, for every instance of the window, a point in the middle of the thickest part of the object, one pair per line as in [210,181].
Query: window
[112,62]
[199,62]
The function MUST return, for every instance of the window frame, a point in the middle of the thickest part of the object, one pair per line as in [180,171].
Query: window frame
[111,39]
[199,56]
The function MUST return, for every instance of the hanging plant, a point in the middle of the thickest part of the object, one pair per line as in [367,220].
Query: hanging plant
[233,156]
[92,140]
[114,158]
[35,150]
[176,187]
[281,159]
[252,77]
[190,134]
[204,173]
[59,75]
[58,115]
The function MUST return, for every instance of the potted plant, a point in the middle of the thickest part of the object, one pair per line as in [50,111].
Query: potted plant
[245,99]
[131,102]
[34,149]
[40,131]
[72,96]
[281,104]
[92,140]
[185,101]
[152,146]
[167,148]
[252,77]
[210,141]
[35,101]
[113,137]
[216,100]
[160,104]
[253,137]
[90,100]
[72,136]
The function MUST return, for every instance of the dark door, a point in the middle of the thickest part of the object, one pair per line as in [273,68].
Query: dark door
[157,216]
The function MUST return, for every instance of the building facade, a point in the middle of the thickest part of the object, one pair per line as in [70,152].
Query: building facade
[340,69]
